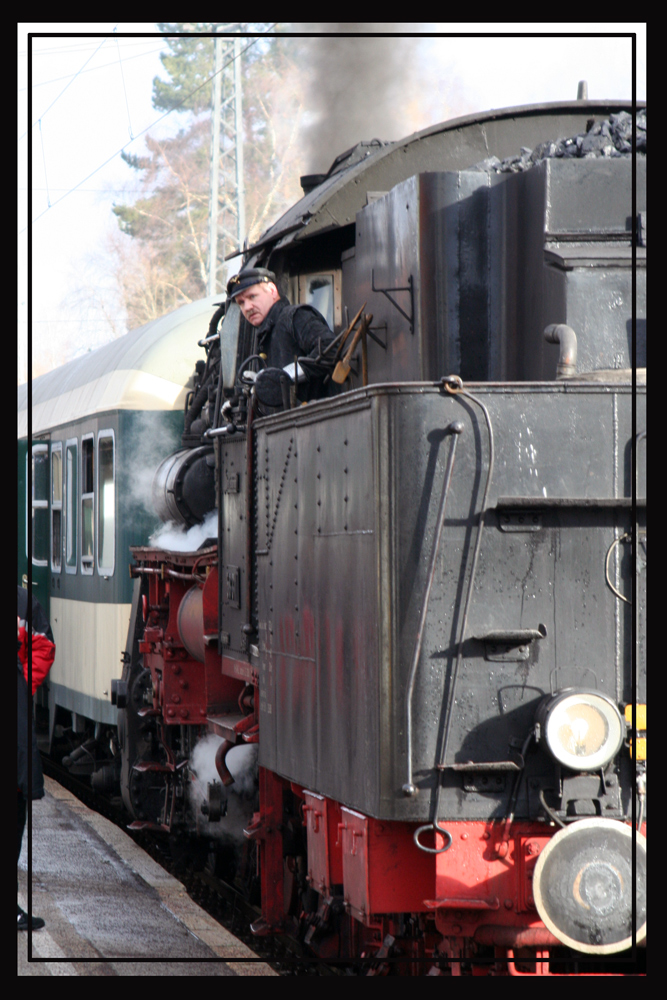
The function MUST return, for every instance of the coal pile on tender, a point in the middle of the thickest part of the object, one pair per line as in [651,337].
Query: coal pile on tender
[611,138]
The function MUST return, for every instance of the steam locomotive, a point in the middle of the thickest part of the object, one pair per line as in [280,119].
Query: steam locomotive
[416,617]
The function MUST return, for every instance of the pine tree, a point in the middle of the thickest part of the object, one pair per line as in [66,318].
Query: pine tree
[189,63]
[168,224]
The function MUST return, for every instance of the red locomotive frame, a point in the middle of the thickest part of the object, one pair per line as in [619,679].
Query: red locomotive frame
[467,911]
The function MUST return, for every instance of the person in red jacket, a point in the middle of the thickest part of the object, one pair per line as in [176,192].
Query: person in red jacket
[42,653]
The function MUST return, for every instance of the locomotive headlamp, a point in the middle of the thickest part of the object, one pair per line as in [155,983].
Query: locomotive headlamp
[583,729]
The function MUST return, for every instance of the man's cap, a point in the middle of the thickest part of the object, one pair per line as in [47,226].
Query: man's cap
[251,276]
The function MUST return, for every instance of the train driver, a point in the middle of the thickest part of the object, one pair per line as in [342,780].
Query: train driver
[283,330]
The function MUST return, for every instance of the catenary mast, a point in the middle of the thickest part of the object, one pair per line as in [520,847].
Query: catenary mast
[227,201]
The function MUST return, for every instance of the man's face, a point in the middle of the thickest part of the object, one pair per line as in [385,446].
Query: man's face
[255,302]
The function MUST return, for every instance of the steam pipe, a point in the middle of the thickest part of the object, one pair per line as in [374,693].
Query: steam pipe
[559,333]
[226,776]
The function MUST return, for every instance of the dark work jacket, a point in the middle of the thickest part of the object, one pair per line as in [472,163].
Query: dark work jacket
[291,330]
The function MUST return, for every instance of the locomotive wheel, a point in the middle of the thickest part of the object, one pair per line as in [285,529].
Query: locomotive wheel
[148,790]
[141,683]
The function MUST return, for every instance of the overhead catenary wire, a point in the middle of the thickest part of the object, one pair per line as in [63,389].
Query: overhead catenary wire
[148,127]
[81,72]
[55,100]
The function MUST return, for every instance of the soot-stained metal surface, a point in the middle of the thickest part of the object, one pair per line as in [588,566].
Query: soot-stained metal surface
[470,245]
[342,578]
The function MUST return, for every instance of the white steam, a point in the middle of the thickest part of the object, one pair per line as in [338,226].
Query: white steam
[150,440]
[176,538]
[241,797]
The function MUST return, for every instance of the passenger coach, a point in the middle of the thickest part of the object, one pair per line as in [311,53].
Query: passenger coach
[100,426]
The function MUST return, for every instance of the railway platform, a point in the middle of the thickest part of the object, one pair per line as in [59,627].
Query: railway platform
[109,909]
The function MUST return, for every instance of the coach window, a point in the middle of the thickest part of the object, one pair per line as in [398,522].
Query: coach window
[87,504]
[56,506]
[40,504]
[71,508]
[106,505]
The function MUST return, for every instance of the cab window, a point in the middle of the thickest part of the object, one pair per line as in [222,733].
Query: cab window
[323,291]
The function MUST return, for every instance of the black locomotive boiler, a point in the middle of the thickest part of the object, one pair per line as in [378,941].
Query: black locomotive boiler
[424,598]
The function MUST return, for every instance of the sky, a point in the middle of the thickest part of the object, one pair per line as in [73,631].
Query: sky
[91,99]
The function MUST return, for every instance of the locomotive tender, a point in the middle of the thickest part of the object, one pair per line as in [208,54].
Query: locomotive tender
[425,597]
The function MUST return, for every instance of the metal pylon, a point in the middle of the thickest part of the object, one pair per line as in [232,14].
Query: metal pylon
[227,224]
